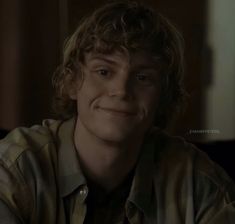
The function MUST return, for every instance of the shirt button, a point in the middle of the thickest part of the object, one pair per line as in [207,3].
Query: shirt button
[83,191]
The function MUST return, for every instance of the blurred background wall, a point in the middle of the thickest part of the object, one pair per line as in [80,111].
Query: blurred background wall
[220,93]
[31,39]
[31,43]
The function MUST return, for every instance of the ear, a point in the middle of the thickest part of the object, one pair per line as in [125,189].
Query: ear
[73,83]
[73,86]
[70,85]
[72,92]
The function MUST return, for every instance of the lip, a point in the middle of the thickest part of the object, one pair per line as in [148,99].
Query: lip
[118,112]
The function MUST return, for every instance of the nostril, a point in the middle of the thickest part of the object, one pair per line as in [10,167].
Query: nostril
[122,93]
[118,92]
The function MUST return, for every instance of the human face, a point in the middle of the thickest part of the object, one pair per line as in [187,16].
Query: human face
[119,95]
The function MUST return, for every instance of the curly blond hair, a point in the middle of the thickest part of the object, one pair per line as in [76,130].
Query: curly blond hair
[132,26]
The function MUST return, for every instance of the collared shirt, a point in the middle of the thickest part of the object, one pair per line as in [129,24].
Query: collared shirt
[174,183]
[108,207]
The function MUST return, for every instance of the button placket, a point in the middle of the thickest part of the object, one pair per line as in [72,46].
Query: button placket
[83,192]
[80,208]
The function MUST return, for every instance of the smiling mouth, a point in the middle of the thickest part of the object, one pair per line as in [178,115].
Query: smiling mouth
[117,112]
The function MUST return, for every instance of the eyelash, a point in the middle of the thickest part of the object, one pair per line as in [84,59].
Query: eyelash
[147,78]
[106,73]
[141,75]
[103,72]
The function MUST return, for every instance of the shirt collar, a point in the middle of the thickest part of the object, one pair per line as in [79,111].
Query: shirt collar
[70,173]
[141,189]
[71,176]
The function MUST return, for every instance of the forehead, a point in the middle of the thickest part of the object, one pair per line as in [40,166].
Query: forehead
[138,58]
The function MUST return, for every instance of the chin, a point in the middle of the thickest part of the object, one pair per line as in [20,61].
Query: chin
[115,134]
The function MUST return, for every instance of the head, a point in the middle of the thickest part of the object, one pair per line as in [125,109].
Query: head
[124,27]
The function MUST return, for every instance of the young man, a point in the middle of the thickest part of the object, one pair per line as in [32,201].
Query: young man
[105,162]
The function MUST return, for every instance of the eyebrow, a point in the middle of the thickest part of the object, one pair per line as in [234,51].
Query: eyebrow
[151,65]
[146,67]
[102,58]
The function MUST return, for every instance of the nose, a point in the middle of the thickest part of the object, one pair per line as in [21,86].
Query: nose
[121,87]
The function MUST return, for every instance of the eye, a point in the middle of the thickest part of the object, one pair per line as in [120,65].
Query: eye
[141,77]
[103,72]
[144,78]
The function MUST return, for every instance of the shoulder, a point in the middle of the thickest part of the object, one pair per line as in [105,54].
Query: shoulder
[183,168]
[23,139]
[176,151]
[27,158]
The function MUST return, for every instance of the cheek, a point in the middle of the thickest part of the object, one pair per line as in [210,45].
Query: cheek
[88,93]
[149,106]
[150,99]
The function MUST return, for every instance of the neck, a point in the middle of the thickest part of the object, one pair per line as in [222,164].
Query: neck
[105,163]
